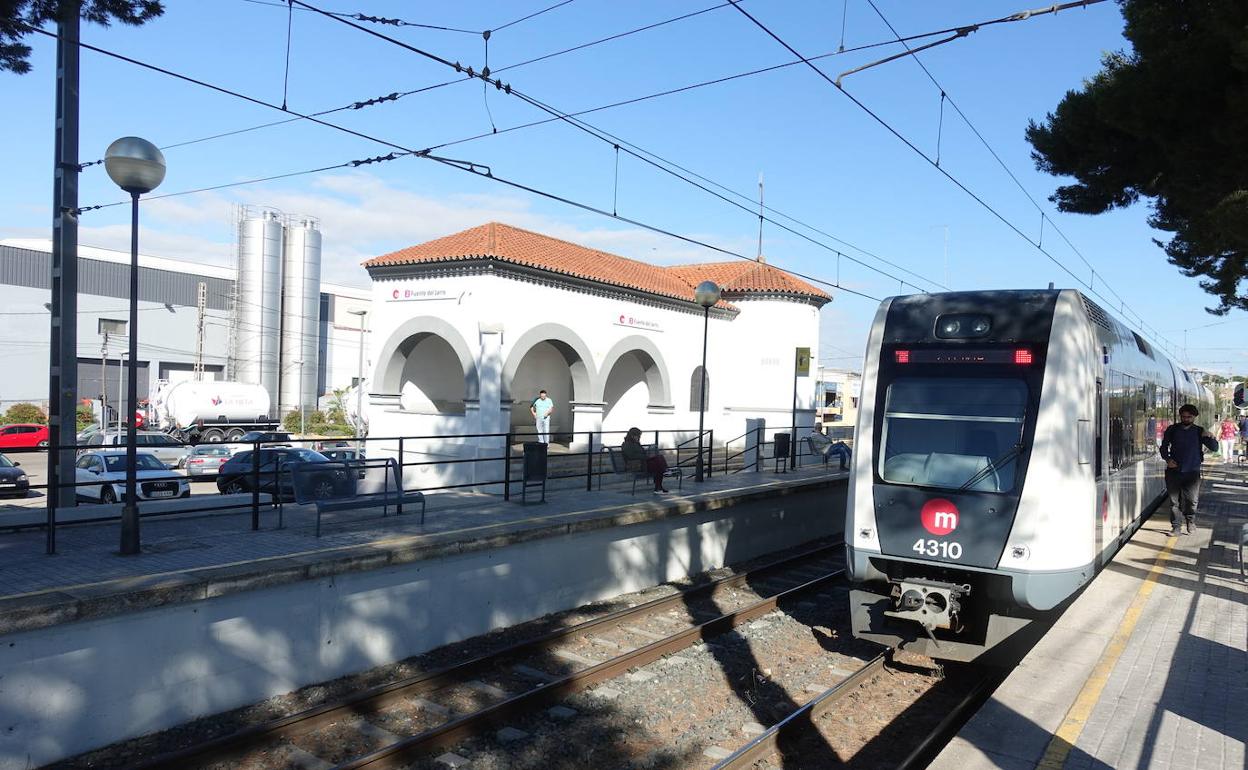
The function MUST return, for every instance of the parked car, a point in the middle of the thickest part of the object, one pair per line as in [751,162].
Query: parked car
[276,473]
[13,481]
[266,437]
[343,453]
[22,435]
[166,448]
[153,480]
[205,459]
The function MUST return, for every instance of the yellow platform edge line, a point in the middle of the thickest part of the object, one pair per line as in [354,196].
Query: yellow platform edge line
[1077,717]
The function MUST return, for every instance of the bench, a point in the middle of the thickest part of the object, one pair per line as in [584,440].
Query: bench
[620,467]
[371,500]
[810,448]
[335,486]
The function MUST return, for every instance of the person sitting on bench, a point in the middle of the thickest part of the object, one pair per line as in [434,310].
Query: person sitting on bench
[637,459]
[826,447]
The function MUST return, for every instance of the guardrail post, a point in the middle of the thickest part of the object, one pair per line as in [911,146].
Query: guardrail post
[758,451]
[589,463]
[399,508]
[507,467]
[710,454]
[255,487]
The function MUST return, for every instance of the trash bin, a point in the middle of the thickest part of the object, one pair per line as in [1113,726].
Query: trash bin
[534,461]
[781,446]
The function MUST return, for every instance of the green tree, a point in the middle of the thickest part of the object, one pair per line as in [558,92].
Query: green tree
[18,16]
[1165,121]
[27,413]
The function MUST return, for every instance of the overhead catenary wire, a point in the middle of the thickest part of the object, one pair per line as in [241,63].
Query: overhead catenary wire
[944,96]
[887,126]
[598,134]
[461,165]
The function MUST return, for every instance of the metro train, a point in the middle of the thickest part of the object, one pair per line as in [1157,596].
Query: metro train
[1006,448]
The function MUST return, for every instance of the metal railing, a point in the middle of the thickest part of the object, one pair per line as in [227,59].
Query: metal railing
[799,446]
[259,487]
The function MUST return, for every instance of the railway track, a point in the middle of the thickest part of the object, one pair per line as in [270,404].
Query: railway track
[355,720]
[802,722]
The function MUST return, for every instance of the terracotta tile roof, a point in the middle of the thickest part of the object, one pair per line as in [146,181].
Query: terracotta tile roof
[747,278]
[522,247]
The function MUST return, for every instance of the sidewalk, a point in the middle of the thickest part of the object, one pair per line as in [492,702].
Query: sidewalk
[1147,669]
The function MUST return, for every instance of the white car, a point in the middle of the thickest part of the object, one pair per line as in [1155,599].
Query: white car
[153,481]
[167,449]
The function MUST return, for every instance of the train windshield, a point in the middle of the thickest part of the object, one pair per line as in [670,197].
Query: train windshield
[953,433]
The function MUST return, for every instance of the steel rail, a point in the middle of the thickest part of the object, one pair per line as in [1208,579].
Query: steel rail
[803,718]
[400,754]
[379,697]
[952,722]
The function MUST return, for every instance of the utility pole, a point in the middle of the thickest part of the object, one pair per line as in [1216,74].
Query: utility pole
[201,304]
[760,216]
[104,383]
[63,364]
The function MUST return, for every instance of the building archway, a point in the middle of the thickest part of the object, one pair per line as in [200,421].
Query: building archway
[634,378]
[553,357]
[426,367]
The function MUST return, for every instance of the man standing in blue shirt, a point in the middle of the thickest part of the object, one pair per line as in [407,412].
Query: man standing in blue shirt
[1181,449]
[541,409]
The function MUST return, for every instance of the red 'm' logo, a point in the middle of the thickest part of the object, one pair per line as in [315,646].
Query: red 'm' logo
[939,516]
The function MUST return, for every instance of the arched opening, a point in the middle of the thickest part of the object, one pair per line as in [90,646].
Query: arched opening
[695,390]
[633,383]
[431,380]
[547,365]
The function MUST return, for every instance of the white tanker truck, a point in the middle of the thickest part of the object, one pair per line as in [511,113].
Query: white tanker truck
[211,411]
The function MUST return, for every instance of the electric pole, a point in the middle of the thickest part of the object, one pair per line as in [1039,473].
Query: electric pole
[63,368]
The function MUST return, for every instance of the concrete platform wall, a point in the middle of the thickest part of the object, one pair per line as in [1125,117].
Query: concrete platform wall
[74,687]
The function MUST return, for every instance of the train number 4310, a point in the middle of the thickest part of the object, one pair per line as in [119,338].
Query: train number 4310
[937,548]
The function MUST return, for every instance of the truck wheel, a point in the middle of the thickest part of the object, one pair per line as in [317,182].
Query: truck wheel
[212,436]
[235,434]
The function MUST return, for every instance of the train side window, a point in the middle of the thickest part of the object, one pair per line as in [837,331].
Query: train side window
[1100,460]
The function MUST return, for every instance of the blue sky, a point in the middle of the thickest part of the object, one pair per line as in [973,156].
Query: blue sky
[824,160]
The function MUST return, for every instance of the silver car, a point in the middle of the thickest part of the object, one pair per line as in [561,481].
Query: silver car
[107,467]
[206,459]
[166,448]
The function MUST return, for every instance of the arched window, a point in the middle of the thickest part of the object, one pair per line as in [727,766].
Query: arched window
[695,390]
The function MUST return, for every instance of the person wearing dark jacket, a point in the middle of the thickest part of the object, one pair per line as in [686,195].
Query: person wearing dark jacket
[1181,449]
[636,458]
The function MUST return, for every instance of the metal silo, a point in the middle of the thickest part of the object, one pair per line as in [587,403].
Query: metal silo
[258,299]
[301,307]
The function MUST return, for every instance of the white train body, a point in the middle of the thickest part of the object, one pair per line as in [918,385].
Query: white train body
[1006,447]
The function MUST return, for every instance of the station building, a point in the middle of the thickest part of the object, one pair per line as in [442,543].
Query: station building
[466,330]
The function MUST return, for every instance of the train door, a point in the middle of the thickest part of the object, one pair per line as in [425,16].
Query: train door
[1102,489]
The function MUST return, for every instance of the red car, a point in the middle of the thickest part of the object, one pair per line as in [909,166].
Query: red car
[23,435]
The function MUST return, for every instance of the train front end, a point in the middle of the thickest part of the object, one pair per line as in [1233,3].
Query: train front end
[947,422]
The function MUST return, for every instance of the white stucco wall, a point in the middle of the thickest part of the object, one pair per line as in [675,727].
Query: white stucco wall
[750,357]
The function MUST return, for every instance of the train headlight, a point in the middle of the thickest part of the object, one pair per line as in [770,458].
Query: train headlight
[1020,552]
[960,326]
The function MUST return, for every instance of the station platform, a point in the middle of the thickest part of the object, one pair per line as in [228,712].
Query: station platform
[192,557]
[1148,666]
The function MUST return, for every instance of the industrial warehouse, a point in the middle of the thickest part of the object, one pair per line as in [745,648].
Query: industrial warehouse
[269,321]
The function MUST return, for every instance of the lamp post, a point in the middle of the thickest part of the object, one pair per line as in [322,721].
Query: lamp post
[359,377]
[706,295]
[136,166]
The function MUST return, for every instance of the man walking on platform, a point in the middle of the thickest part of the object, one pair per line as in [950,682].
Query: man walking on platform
[541,408]
[1181,449]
